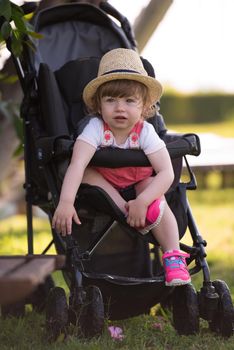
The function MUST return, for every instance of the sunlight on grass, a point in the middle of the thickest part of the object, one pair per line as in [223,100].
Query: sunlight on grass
[213,213]
[18,223]
[13,235]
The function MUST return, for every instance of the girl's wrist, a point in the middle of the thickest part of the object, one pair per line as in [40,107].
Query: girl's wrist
[66,202]
[143,201]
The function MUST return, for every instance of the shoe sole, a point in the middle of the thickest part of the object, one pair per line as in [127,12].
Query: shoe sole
[177,282]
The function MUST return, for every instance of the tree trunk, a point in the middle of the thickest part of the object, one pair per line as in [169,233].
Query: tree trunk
[148,20]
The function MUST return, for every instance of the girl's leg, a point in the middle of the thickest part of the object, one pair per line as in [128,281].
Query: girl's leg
[174,260]
[93,177]
[166,233]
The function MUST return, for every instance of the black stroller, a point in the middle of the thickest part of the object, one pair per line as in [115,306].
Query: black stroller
[111,271]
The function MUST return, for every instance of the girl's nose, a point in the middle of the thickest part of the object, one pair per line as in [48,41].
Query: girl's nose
[119,104]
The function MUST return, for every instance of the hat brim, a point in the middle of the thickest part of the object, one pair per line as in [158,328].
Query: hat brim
[154,87]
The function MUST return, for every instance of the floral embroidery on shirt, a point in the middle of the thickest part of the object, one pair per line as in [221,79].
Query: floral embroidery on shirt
[134,140]
[108,138]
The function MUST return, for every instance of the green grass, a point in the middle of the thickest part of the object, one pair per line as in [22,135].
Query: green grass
[213,213]
[139,332]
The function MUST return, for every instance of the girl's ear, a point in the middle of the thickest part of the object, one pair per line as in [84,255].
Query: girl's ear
[145,111]
[148,111]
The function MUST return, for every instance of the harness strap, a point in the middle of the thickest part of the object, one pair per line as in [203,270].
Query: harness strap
[133,137]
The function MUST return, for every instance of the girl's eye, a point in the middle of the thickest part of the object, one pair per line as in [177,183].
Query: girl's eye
[131,100]
[109,99]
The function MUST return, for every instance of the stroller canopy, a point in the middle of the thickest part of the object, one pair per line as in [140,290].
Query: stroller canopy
[71,32]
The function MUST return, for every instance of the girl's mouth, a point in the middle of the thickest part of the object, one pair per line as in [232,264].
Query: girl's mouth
[120,117]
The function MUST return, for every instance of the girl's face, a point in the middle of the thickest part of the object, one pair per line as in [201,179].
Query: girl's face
[121,113]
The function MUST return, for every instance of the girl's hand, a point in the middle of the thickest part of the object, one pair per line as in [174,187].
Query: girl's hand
[136,213]
[63,216]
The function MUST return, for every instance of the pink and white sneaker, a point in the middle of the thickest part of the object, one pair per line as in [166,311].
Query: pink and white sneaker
[176,271]
[154,215]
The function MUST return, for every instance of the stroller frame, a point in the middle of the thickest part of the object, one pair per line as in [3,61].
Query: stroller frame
[86,289]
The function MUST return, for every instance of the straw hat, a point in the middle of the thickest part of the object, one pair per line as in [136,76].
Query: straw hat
[122,64]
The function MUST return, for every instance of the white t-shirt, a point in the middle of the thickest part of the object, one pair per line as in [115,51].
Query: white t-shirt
[149,140]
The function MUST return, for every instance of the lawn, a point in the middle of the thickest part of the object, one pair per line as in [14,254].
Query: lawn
[213,213]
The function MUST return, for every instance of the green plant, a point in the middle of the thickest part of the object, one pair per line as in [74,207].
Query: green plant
[15,31]
[14,26]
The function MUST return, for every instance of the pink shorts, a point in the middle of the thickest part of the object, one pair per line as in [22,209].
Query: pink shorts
[124,177]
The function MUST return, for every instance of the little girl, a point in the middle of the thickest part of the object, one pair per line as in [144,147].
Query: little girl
[121,98]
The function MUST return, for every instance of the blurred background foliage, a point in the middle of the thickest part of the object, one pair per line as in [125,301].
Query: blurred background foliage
[197,108]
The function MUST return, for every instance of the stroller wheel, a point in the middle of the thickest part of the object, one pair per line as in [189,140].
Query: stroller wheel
[89,312]
[39,297]
[13,310]
[56,314]
[185,310]
[91,319]
[222,321]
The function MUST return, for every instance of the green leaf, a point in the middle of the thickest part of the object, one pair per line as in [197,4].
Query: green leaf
[5,30]
[34,34]
[20,24]
[28,16]
[5,9]
[16,44]
[16,11]
[13,12]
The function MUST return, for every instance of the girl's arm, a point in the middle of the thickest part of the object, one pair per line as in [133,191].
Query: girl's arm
[161,163]
[65,212]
